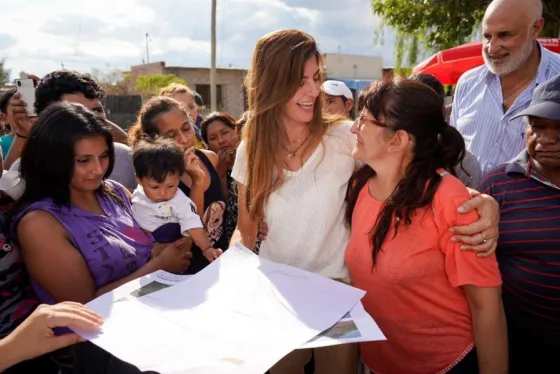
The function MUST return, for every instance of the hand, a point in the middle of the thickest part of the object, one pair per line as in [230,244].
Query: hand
[184,244]
[195,169]
[226,160]
[157,248]
[22,121]
[262,231]
[173,258]
[480,236]
[35,336]
[212,253]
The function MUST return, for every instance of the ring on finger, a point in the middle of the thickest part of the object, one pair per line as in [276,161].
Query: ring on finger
[484,239]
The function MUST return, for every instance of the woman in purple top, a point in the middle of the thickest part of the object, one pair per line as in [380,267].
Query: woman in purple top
[74,228]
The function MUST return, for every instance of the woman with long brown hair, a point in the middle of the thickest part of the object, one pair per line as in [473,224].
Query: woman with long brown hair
[293,168]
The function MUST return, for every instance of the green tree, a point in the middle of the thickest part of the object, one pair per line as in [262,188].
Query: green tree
[4,73]
[114,81]
[149,85]
[432,25]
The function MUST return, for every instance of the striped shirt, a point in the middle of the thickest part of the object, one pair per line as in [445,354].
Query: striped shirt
[529,245]
[492,135]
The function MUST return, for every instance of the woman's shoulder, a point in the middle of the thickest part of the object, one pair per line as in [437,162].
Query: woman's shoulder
[339,136]
[451,193]
[342,127]
[212,156]
[451,186]
[37,222]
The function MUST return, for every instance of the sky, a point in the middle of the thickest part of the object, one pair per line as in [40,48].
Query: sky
[39,36]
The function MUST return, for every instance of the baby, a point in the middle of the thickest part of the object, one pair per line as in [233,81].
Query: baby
[158,205]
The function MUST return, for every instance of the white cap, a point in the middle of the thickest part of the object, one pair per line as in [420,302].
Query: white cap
[12,184]
[337,88]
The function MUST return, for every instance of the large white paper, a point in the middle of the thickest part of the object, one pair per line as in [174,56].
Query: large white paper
[239,315]
[356,326]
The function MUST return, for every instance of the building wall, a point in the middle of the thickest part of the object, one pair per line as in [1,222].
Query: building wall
[353,66]
[230,80]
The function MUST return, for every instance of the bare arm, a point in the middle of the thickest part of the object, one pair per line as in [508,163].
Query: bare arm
[15,152]
[119,135]
[200,238]
[34,337]
[248,228]
[57,266]
[489,327]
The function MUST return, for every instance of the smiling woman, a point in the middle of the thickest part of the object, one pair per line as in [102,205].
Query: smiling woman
[300,165]
[74,228]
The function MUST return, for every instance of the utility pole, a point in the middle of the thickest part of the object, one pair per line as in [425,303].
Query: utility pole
[213,93]
[147,48]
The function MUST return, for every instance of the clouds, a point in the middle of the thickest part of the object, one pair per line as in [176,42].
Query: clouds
[39,36]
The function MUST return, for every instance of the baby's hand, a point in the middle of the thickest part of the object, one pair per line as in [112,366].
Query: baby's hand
[212,253]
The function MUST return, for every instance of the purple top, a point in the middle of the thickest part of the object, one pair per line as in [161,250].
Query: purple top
[113,246]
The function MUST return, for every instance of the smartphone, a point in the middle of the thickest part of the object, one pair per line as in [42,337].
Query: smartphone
[26,89]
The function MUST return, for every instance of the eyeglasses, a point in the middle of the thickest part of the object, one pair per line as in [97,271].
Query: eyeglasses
[362,119]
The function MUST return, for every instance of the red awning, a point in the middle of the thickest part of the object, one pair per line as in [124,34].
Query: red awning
[450,64]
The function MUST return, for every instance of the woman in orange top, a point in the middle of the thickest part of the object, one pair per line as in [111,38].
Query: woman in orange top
[439,307]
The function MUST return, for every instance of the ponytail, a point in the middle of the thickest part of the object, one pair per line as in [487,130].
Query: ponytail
[451,149]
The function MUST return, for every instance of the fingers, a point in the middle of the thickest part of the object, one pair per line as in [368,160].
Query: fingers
[74,318]
[473,228]
[65,340]
[483,250]
[180,242]
[78,310]
[34,77]
[472,204]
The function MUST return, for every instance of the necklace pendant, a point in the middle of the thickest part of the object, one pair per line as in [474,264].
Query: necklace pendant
[290,156]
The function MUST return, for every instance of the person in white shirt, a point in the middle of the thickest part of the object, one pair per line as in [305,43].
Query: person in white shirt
[489,98]
[157,204]
[338,98]
[293,168]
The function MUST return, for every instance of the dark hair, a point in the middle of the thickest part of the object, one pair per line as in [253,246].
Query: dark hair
[198,100]
[225,118]
[415,108]
[47,160]
[157,158]
[433,83]
[145,122]
[5,100]
[62,82]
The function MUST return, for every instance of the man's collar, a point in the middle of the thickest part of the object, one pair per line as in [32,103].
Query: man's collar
[520,164]
[541,70]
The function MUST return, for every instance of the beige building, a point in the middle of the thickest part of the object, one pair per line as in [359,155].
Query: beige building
[230,92]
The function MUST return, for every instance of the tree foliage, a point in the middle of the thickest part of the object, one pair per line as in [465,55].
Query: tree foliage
[4,73]
[150,84]
[432,25]
[114,81]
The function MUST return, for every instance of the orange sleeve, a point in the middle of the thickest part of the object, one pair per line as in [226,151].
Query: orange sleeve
[463,267]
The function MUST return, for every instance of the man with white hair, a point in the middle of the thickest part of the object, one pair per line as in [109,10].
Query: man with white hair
[489,97]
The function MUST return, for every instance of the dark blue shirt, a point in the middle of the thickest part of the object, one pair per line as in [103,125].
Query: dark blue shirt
[529,244]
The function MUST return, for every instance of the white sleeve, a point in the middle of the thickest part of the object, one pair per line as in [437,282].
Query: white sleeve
[239,171]
[185,211]
[15,165]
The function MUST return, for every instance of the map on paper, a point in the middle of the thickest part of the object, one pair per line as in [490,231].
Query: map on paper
[240,315]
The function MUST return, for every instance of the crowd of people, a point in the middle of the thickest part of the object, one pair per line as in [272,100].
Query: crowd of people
[450,223]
